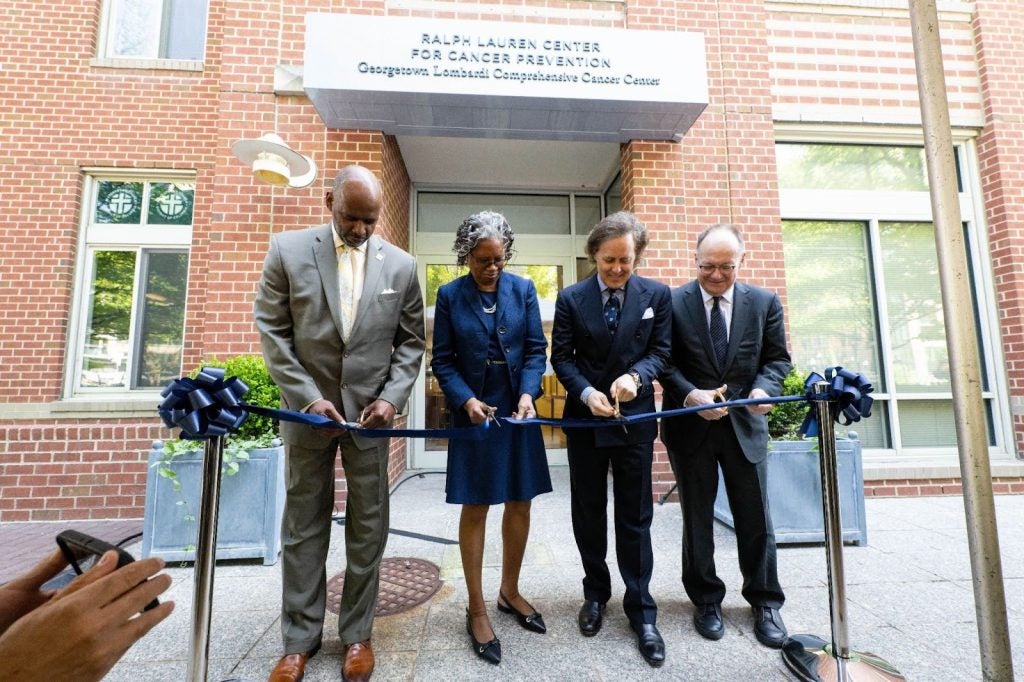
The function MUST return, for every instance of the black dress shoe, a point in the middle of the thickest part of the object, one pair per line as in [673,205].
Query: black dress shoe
[533,622]
[591,617]
[768,627]
[650,643]
[489,651]
[708,621]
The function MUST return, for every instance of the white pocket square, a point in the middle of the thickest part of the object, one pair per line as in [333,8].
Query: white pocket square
[648,314]
[389,291]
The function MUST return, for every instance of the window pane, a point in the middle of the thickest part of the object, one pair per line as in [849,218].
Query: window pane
[170,203]
[105,357]
[851,167]
[588,213]
[873,432]
[118,202]
[914,303]
[136,28]
[613,197]
[163,319]
[830,295]
[526,213]
[186,30]
[927,423]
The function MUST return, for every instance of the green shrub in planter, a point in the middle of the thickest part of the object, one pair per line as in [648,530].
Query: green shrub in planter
[254,433]
[785,418]
[251,503]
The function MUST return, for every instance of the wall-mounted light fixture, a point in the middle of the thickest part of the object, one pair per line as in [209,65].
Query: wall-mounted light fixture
[274,162]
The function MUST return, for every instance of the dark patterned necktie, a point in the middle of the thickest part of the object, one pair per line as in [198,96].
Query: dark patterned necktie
[719,337]
[612,308]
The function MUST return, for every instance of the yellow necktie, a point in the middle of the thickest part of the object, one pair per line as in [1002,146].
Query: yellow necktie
[346,285]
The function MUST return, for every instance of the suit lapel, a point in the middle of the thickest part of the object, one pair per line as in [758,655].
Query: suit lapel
[637,298]
[467,292]
[588,299]
[371,280]
[326,258]
[740,317]
[506,301]
[694,302]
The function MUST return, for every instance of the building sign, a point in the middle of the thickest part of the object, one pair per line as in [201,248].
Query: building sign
[490,79]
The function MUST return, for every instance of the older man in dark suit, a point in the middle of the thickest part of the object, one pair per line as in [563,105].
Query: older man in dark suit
[340,315]
[609,342]
[728,341]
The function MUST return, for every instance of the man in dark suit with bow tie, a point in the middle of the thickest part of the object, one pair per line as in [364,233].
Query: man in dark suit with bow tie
[728,341]
[609,342]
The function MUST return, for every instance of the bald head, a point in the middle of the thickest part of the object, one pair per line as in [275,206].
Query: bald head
[354,203]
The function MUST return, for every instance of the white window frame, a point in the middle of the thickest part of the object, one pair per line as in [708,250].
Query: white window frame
[112,237]
[107,26]
[845,205]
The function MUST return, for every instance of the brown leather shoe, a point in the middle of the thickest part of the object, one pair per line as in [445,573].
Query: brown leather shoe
[291,668]
[358,662]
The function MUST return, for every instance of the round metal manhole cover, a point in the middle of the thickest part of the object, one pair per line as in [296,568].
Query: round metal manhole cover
[405,582]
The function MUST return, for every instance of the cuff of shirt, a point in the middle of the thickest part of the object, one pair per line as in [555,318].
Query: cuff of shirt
[586,393]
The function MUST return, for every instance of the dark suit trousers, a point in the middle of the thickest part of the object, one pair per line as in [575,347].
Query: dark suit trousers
[747,485]
[631,486]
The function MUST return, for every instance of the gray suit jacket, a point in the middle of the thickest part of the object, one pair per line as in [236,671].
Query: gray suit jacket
[757,358]
[297,314]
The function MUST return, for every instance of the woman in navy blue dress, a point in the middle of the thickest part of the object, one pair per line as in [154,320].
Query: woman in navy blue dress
[489,356]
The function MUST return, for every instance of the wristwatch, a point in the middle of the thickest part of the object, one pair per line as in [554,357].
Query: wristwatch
[635,375]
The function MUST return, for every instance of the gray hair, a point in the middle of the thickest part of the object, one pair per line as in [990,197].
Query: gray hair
[618,224]
[722,227]
[478,227]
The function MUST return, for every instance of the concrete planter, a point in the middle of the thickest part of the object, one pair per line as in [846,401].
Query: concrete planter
[794,492]
[249,518]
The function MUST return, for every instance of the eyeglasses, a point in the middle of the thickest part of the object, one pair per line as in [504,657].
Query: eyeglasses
[708,269]
[488,262]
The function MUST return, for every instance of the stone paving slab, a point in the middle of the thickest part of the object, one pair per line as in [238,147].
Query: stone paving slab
[909,590]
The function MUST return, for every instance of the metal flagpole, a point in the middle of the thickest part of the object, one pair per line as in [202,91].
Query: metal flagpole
[206,549]
[809,657]
[961,342]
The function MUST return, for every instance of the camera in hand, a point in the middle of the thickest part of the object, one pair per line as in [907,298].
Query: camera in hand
[83,551]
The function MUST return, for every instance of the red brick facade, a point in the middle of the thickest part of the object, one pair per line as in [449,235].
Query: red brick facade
[62,459]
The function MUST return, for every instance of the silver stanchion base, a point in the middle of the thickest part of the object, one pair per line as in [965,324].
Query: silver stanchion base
[810,658]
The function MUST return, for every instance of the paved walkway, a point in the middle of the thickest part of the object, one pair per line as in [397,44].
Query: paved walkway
[910,600]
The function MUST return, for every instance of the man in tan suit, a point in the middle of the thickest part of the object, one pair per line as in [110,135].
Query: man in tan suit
[340,315]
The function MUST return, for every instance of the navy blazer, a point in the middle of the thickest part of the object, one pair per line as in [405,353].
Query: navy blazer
[757,358]
[584,353]
[461,340]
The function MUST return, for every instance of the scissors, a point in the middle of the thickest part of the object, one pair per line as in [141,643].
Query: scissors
[491,416]
[618,414]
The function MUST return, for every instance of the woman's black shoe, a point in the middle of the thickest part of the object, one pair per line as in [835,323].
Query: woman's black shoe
[489,651]
[532,622]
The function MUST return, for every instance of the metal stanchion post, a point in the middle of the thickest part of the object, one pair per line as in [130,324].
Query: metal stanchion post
[810,657]
[206,550]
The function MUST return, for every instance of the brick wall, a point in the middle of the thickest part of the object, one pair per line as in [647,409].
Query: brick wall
[766,60]
[999,31]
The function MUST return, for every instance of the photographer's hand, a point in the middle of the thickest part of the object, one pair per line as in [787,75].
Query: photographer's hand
[84,629]
[23,594]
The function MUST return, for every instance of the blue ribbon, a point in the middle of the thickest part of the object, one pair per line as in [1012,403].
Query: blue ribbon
[849,389]
[209,406]
[204,407]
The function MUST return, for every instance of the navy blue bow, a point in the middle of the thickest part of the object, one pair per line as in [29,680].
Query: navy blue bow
[204,407]
[849,389]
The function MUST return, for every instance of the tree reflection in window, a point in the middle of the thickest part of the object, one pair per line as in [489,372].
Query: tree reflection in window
[851,167]
[163,319]
[110,312]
